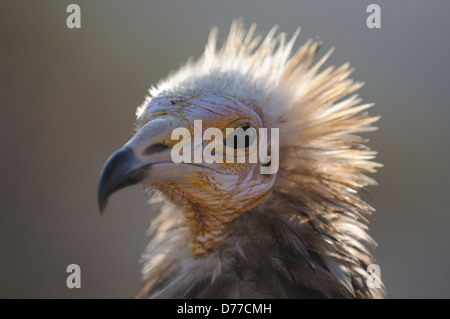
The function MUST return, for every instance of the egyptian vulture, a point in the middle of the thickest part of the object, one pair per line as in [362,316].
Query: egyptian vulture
[225,230]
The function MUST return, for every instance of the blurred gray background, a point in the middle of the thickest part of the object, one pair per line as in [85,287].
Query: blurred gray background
[68,99]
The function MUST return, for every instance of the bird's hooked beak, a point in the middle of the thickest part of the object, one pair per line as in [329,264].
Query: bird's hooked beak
[143,159]
[120,170]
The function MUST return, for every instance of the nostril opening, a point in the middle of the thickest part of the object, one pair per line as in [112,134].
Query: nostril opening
[155,148]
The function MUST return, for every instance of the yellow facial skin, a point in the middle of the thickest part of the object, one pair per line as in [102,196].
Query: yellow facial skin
[213,194]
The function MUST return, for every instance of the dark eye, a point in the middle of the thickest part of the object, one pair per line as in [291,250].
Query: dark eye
[242,138]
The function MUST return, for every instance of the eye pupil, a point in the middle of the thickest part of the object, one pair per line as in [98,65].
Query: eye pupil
[234,137]
[235,144]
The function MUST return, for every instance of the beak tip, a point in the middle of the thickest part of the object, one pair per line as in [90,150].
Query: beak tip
[102,202]
[101,208]
[116,175]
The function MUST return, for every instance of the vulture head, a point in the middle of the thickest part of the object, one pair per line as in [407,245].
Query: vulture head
[225,229]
